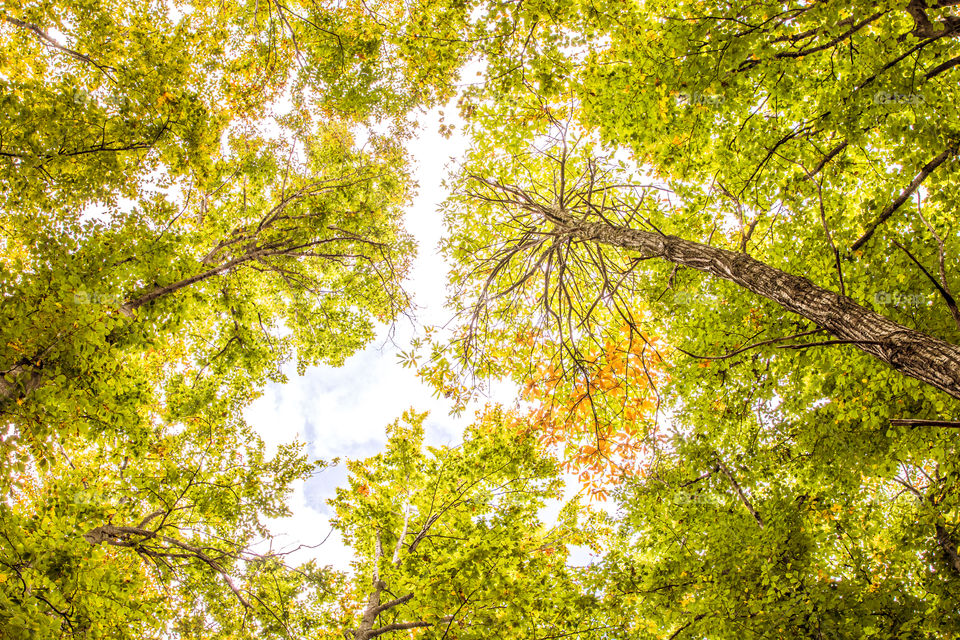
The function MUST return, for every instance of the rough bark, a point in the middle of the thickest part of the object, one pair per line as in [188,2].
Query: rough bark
[910,352]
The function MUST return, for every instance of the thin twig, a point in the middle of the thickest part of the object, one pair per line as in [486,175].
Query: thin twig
[751,346]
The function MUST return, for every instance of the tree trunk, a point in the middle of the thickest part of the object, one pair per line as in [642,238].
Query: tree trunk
[910,352]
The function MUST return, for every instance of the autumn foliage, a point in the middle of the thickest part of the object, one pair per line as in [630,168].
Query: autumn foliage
[602,413]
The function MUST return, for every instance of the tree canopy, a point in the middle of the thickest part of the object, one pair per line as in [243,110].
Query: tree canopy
[714,246]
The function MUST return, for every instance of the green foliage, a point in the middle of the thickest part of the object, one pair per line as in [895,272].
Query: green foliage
[168,224]
[457,529]
[193,196]
[199,493]
[795,134]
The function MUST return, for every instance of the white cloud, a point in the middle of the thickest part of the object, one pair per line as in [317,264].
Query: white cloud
[344,411]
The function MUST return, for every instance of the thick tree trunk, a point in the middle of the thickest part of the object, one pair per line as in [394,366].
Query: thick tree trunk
[370,612]
[910,352]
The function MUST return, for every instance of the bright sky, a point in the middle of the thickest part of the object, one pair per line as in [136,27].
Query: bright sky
[343,412]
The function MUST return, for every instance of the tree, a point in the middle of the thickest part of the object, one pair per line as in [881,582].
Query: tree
[191,196]
[743,541]
[448,540]
[160,228]
[229,297]
[686,231]
[123,541]
[99,102]
[736,186]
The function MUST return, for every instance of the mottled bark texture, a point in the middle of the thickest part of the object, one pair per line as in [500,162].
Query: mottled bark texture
[910,352]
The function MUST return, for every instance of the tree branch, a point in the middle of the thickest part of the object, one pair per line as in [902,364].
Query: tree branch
[50,42]
[943,66]
[393,603]
[751,346]
[949,547]
[913,353]
[403,534]
[396,626]
[120,536]
[916,422]
[743,496]
[951,303]
[941,253]
[929,168]
[827,158]
[924,28]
